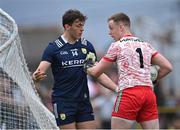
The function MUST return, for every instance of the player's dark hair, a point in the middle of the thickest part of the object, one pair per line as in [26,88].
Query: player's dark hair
[120,17]
[71,15]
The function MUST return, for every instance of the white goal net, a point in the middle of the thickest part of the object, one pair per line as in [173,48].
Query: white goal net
[20,105]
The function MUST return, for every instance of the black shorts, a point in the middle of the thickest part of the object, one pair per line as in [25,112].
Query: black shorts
[67,112]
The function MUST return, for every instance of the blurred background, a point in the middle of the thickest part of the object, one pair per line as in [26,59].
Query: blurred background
[158,22]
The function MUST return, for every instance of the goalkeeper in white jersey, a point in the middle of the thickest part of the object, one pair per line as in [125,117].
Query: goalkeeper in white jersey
[136,100]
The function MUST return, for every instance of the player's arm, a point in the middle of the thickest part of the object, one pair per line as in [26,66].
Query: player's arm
[104,80]
[163,63]
[99,68]
[98,71]
[40,72]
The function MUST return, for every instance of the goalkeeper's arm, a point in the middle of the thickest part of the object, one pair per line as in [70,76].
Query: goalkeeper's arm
[163,63]
[103,79]
[89,61]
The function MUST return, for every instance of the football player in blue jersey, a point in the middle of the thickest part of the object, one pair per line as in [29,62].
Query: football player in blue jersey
[66,55]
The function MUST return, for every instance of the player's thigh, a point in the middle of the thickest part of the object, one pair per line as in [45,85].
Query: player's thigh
[65,113]
[68,126]
[86,125]
[152,124]
[84,112]
[121,123]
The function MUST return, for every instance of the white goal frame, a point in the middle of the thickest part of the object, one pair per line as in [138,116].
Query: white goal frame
[20,104]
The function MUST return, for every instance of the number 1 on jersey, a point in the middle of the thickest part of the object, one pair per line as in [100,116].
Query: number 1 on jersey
[138,50]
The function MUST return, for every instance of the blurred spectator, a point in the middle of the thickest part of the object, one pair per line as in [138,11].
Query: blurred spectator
[175,123]
[94,87]
[103,105]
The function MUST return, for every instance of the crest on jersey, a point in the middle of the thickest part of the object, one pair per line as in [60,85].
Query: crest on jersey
[63,116]
[84,51]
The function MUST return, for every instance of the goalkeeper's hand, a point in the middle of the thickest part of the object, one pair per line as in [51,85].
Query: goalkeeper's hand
[87,64]
[89,61]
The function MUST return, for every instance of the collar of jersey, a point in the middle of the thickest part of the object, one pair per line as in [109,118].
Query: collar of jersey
[63,38]
[128,35]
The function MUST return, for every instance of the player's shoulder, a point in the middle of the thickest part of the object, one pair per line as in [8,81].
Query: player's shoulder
[85,42]
[116,43]
[57,43]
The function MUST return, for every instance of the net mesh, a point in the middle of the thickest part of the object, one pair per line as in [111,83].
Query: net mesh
[20,105]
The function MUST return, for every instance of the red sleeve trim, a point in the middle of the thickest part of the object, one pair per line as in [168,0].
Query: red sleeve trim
[108,59]
[154,54]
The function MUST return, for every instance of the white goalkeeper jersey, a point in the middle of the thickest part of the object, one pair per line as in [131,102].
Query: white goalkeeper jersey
[133,58]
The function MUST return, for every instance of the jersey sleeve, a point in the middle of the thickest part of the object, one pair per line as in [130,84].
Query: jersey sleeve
[153,51]
[48,53]
[112,53]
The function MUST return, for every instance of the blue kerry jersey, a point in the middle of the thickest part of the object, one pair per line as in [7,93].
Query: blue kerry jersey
[70,81]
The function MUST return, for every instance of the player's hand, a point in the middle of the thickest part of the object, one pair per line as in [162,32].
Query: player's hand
[87,64]
[89,61]
[38,76]
[117,90]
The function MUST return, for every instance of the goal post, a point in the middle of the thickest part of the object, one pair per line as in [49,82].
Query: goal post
[20,104]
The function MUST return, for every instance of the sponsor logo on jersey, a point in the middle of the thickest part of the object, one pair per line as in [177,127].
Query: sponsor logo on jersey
[131,39]
[63,53]
[72,63]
